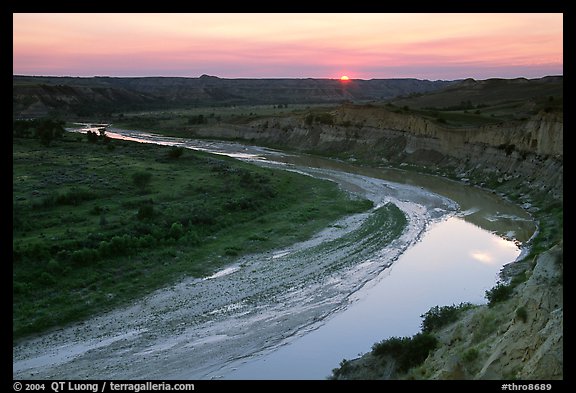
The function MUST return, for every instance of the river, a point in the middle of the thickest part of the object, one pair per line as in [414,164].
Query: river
[458,239]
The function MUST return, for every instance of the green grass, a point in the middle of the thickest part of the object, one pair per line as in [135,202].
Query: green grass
[89,234]
[486,324]
[507,94]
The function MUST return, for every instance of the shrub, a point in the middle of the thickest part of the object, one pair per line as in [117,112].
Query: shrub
[74,197]
[320,118]
[176,231]
[487,323]
[191,238]
[408,351]
[121,245]
[198,119]
[392,346]
[498,294]
[522,314]
[92,137]
[175,152]
[470,355]
[507,147]
[47,278]
[437,317]
[141,179]
[342,370]
[53,266]
[84,256]
[145,212]
[20,287]
[324,118]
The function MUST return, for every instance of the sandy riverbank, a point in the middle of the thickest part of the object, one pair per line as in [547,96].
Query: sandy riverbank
[193,328]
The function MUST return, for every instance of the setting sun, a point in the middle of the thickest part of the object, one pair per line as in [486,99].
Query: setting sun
[344,78]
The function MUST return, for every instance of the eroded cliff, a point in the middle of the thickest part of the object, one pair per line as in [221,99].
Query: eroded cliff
[526,151]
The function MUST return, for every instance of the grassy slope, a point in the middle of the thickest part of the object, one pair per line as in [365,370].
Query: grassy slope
[483,102]
[86,238]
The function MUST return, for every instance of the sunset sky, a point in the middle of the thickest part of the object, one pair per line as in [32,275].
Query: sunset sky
[278,45]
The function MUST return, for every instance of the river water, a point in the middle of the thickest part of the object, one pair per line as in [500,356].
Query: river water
[456,259]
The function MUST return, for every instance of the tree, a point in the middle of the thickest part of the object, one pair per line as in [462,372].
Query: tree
[175,152]
[91,136]
[46,130]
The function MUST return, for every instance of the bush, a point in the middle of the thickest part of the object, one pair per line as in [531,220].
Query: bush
[437,317]
[74,197]
[470,355]
[92,137]
[408,351]
[176,231]
[499,293]
[324,118]
[522,314]
[487,324]
[141,179]
[507,147]
[198,119]
[84,256]
[47,279]
[392,346]
[320,118]
[20,287]
[342,370]
[175,152]
[145,212]
[53,266]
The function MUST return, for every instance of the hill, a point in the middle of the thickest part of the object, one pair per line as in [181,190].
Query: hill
[35,96]
[496,97]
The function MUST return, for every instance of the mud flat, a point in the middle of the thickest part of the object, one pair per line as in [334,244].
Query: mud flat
[197,326]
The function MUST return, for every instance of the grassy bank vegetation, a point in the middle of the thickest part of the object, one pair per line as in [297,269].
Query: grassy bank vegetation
[99,223]
[179,122]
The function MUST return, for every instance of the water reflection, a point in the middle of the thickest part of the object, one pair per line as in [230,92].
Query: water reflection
[480,207]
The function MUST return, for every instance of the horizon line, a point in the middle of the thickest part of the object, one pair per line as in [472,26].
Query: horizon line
[277,78]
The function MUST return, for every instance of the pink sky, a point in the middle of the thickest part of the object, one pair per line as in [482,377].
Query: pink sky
[424,46]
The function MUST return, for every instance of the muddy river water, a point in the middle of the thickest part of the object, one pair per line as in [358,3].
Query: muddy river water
[296,313]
